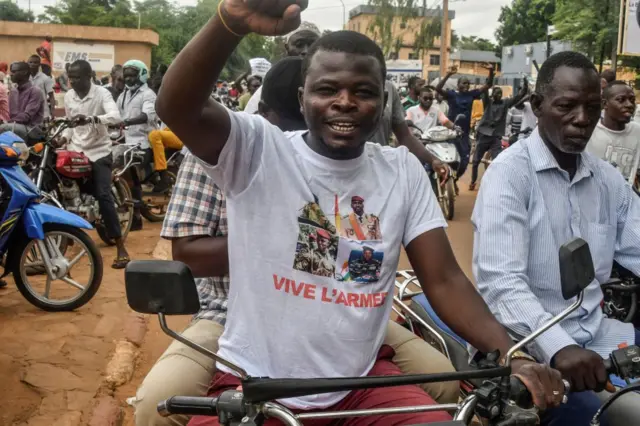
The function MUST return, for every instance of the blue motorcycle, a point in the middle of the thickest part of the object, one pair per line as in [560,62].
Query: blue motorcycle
[55,264]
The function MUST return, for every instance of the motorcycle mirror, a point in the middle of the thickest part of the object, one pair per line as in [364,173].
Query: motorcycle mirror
[576,268]
[459,117]
[158,286]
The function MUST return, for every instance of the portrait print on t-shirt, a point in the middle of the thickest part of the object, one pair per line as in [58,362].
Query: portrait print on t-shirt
[359,261]
[358,225]
[317,245]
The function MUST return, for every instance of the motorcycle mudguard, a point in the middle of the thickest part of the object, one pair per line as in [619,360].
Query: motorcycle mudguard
[36,215]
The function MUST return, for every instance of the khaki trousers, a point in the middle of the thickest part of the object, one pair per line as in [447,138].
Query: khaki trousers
[183,371]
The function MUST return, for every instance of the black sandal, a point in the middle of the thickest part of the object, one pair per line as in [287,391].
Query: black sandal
[121,262]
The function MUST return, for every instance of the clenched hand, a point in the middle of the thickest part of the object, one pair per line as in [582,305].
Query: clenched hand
[264,17]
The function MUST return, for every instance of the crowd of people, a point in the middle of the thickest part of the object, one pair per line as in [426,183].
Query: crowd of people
[305,152]
[304,183]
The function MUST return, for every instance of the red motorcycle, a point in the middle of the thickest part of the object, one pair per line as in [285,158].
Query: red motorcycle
[64,177]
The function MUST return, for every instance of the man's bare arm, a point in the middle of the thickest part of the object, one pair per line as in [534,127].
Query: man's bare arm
[184,101]
[452,295]
[440,87]
[406,138]
[206,256]
[489,84]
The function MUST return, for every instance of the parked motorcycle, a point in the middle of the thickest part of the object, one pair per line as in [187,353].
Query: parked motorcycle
[131,158]
[167,288]
[34,235]
[64,177]
[440,141]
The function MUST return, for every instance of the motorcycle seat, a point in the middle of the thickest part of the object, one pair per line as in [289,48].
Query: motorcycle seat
[456,345]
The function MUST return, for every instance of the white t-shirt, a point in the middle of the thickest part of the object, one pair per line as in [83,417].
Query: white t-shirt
[312,291]
[425,120]
[620,148]
[254,102]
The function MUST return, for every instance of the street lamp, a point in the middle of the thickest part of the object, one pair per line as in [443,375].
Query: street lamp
[344,15]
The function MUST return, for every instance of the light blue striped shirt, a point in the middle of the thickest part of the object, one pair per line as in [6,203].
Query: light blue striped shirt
[526,209]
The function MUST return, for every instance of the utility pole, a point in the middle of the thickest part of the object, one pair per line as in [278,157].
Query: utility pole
[444,39]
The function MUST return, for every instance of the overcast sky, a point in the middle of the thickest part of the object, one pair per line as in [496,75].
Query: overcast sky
[473,17]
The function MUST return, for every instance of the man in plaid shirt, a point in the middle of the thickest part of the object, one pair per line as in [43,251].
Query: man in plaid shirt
[196,224]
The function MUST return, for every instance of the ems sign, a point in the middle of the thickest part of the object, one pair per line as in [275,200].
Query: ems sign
[100,56]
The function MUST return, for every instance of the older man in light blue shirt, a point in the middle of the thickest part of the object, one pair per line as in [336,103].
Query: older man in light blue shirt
[538,195]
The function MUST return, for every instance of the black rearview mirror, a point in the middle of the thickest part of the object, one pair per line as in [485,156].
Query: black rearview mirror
[576,268]
[159,286]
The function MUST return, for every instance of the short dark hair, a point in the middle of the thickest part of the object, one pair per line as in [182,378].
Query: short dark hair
[34,56]
[562,59]
[412,81]
[425,89]
[83,66]
[116,68]
[607,90]
[608,75]
[254,77]
[349,42]
[21,65]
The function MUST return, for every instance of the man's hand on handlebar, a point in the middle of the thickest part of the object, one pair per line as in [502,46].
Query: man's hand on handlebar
[585,369]
[440,167]
[544,383]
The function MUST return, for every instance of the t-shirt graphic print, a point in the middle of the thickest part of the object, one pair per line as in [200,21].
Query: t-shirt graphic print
[314,245]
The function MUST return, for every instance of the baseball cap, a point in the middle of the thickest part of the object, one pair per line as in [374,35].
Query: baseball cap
[280,92]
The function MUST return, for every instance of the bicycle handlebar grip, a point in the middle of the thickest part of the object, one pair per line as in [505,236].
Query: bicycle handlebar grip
[519,393]
[188,405]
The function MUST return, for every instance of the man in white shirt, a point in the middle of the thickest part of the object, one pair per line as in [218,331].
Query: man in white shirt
[93,109]
[616,139]
[286,191]
[137,108]
[44,83]
[427,115]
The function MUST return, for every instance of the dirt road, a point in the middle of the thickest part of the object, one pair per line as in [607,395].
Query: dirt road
[51,364]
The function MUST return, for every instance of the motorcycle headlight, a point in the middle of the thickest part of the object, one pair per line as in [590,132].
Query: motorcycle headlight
[23,149]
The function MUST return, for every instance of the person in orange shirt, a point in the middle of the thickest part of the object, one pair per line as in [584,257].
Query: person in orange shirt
[44,51]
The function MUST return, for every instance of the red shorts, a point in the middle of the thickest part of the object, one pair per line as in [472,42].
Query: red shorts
[400,396]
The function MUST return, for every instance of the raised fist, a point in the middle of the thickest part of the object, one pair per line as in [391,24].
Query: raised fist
[264,17]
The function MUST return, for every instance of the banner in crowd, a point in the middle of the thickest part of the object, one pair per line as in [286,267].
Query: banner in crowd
[629,34]
[259,66]
[100,56]
[399,71]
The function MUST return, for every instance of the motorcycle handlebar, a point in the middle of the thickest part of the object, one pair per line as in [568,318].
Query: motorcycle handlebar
[189,406]
[519,393]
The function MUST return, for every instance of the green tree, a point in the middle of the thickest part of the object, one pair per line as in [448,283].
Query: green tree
[475,43]
[524,21]
[382,27]
[11,12]
[175,26]
[592,25]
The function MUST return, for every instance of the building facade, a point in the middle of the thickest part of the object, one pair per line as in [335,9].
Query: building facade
[103,47]
[363,19]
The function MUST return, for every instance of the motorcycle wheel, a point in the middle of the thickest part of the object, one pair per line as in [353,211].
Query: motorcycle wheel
[156,213]
[82,246]
[448,199]
[124,208]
